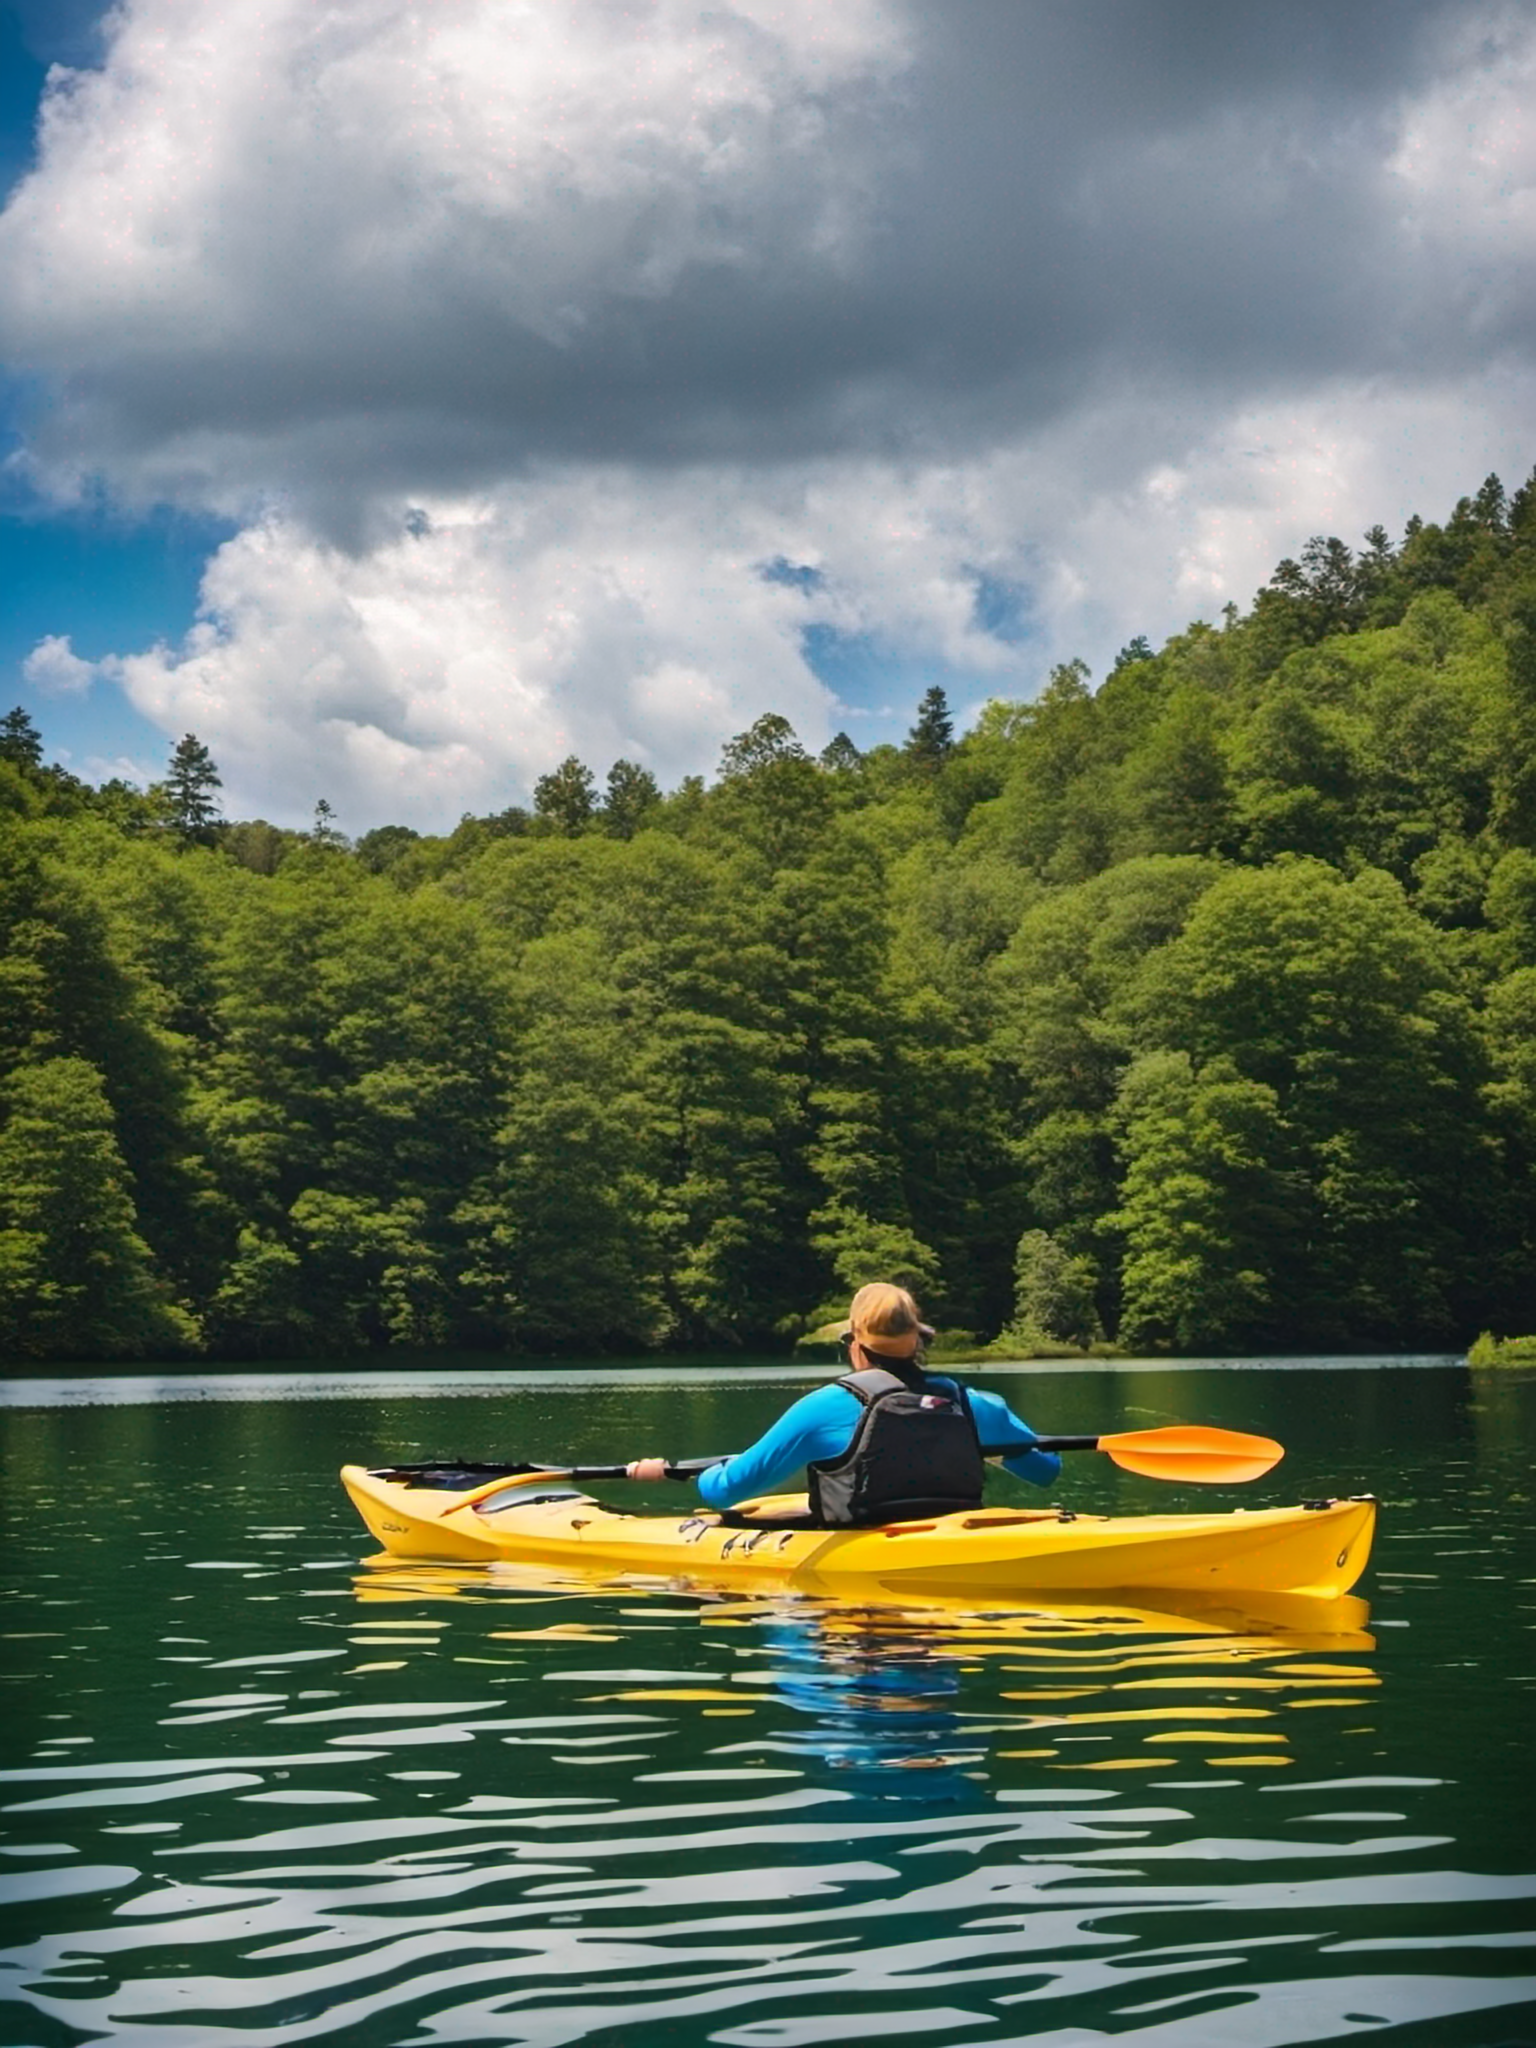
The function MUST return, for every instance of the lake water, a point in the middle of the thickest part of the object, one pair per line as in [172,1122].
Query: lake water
[256,1791]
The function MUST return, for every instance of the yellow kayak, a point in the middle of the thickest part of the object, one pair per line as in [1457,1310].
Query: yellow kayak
[1318,1548]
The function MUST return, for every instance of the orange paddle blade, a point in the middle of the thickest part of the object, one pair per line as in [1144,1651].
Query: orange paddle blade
[1211,1457]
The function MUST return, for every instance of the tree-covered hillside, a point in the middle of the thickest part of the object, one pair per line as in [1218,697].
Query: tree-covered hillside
[1194,1010]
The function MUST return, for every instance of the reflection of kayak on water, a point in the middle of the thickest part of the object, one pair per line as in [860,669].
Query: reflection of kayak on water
[1249,1624]
[444,1514]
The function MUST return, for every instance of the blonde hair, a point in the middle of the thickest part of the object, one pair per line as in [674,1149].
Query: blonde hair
[882,1310]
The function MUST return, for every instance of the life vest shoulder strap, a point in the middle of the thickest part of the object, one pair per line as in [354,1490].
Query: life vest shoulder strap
[874,1382]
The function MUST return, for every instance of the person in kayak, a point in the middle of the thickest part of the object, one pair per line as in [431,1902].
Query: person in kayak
[887,1442]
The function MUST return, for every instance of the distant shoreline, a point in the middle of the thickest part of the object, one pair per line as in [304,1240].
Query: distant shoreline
[138,1386]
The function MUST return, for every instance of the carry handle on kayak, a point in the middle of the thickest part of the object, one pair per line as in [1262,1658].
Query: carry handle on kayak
[1187,1451]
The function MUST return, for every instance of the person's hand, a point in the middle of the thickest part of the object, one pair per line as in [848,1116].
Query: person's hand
[647,1468]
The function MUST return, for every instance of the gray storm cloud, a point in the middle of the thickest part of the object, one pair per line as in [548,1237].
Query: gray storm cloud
[322,253]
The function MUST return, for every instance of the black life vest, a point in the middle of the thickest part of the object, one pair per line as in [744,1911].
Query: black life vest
[914,1453]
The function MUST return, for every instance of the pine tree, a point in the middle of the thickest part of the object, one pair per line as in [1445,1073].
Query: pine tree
[932,739]
[633,793]
[20,740]
[325,832]
[191,808]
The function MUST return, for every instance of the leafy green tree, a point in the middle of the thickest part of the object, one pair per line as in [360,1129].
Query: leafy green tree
[350,1102]
[565,799]
[370,1273]
[257,846]
[74,983]
[258,1308]
[1176,785]
[1324,588]
[766,743]
[688,956]
[1490,508]
[1335,996]
[126,807]
[1205,1205]
[191,809]
[1451,881]
[831,920]
[1054,1302]
[1065,1025]
[1075,962]
[419,1036]
[771,801]
[1514,783]
[19,797]
[1510,908]
[272,1076]
[1051,815]
[76,1278]
[379,849]
[1508,1028]
[1509,1024]
[1296,778]
[1425,700]
[565,1225]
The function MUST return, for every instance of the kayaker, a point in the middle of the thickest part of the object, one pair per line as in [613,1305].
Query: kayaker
[888,1441]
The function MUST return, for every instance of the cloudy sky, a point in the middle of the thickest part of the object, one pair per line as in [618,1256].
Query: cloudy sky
[403,397]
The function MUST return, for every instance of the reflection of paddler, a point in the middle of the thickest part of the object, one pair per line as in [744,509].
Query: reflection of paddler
[886,1442]
[1104,1689]
[879,1700]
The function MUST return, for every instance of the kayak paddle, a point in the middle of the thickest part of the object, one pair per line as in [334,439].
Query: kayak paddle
[1209,1457]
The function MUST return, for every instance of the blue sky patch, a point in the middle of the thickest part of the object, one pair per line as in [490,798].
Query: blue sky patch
[112,588]
[1002,609]
[798,575]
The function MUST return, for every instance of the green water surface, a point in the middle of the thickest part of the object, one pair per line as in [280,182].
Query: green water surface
[256,1791]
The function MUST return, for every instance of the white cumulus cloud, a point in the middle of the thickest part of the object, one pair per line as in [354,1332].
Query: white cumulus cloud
[54,667]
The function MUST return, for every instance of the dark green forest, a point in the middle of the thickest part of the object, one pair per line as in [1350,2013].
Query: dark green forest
[1191,1010]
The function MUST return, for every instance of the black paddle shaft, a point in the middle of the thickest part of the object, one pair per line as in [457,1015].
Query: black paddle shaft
[684,1468]
[457,1473]
[689,1468]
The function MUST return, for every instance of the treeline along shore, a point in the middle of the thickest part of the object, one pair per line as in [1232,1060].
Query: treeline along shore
[1194,1010]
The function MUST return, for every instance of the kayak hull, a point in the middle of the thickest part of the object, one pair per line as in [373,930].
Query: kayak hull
[1319,1548]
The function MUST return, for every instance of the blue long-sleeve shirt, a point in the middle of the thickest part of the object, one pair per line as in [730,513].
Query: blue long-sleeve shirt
[820,1425]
